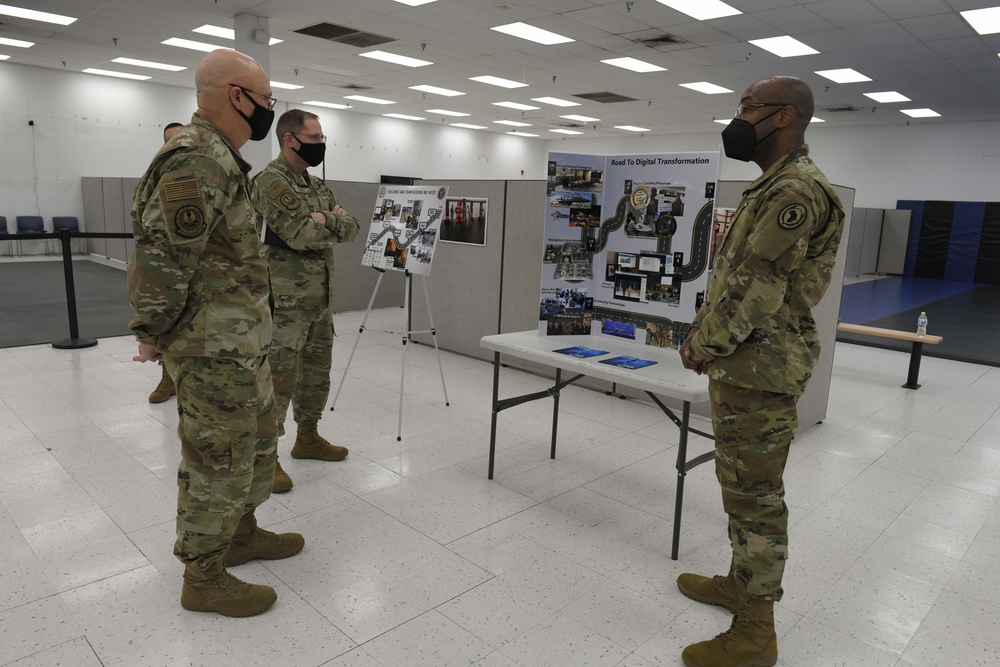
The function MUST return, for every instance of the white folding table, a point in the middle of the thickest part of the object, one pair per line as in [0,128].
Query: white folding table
[665,378]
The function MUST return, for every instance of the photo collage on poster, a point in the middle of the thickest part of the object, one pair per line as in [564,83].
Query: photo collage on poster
[629,237]
[404,228]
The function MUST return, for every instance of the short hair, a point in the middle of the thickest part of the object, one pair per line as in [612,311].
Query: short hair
[170,126]
[292,121]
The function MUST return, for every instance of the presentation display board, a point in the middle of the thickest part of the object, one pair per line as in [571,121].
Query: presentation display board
[626,244]
[404,228]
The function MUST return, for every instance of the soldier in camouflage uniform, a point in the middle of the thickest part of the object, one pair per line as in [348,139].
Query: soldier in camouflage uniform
[756,338]
[303,222]
[199,287]
[165,388]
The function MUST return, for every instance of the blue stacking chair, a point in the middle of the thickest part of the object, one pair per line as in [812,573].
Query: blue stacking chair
[5,235]
[30,224]
[68,222]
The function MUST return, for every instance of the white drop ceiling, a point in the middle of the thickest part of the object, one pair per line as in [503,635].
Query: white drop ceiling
[922,49]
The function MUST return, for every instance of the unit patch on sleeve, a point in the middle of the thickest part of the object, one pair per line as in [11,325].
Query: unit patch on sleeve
[190,221]
[290,201]
[792,216]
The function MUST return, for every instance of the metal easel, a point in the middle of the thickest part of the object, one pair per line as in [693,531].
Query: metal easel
[406,333]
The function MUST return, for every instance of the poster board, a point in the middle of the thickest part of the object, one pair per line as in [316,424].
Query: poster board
[405,226]
[626,244]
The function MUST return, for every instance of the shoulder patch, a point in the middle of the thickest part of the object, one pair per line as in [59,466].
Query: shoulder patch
[290,201]
[181,190]
[190,221]
[274,190]
[792,216]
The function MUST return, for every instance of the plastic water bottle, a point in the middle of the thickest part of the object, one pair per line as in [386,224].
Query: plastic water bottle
[922,324]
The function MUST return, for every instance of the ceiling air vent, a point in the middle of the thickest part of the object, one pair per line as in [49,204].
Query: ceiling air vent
[604,97]
[844,109]
[344,35]
[352,86]
[571,125]
[660,41]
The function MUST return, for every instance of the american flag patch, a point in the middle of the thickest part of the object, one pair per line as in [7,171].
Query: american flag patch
[180,190]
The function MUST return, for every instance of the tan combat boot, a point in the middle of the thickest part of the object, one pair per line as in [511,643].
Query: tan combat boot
[164,390]
[309,444]
[250,542]
[749,642]
[718,590]
[282,482]
[218,591]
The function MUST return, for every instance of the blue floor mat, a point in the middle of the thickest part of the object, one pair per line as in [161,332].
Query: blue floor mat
[860,303]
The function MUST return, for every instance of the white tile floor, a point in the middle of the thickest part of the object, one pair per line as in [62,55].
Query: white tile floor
[413,558]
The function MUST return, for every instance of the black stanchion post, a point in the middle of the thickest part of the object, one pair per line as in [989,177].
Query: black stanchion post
[74,341]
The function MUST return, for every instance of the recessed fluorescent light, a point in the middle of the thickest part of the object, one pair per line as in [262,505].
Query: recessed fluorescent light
[561,131]
[555,101]
[403,116]
[34,15]
[286,86]
[814,119]
[520,134]
[120,75]
[395,59]
[6,41]
[446,112]
[846,75]
[984,21]
[497,81]
[702,10]
[723,121]
[469,127]
[434,90]
[634,65]
[228,33]
[149,64]
[516,105]
[582,119]
[532,34]
[888,96]
[193,45]
[706,87]
[3,57]
[632,128]
[920,113]
[329,105]
[414,3]
[370,100]
[785,46]
[512,123]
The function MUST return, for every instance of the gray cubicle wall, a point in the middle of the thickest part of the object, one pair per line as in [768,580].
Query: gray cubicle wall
[895,237]
[465,283]
[522,256]
[108,201]
[863,243]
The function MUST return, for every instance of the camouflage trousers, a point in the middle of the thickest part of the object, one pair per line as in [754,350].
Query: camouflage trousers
[300,356]
[229,440]
[753,430]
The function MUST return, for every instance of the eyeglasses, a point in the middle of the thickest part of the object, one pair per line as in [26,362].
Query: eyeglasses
[743,108]
[270,100]
[314,138]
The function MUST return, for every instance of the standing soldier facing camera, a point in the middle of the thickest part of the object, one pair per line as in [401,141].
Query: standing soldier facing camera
[199,287]
[303,221]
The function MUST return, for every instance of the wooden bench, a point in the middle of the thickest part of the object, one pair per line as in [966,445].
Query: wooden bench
[915,352]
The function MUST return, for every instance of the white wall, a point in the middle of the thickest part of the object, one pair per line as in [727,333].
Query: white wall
[927,160]
[88,125]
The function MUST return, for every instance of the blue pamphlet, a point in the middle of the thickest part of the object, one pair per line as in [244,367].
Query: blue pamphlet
[631,363]
[581,351]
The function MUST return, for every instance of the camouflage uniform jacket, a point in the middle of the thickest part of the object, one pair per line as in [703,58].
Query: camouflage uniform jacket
[756,327]
[197,278]
[300,250]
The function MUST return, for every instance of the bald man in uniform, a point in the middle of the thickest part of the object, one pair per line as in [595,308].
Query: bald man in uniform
[756,338]
[198,284]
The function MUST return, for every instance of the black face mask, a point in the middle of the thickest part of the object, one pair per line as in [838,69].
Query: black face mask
[259,121]
[311,154]
[739,139]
